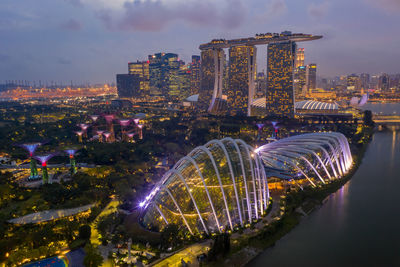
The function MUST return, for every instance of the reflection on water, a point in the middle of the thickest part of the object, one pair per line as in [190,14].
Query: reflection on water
[383,108]
[358,225]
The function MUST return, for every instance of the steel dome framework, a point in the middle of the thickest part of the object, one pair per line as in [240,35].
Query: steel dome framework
[322,156]
[216,186]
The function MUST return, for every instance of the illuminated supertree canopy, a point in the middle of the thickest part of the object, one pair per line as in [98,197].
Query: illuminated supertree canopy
[45,158]
[99,132]
[109,118]
[125,122]
[130,135]
[71,152]
[107,134]
[140,126]
[136,121]
[83,126]
[31,147]
[94,117]
[260,125]
[79,133]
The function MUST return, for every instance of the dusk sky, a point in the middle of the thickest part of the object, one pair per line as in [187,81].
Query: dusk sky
[92,40]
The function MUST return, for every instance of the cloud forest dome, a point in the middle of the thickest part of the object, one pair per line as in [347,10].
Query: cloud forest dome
[318,157]
[216,186]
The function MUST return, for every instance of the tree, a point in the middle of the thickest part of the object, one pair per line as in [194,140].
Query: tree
[368,118]
[84,232]
[170,236]
[92,257]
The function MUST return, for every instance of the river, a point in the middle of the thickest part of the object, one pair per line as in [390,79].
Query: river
[358,225]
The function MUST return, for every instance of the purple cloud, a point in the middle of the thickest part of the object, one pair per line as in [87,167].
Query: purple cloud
[71,25]
[154,16]
[318,11]
[389,6]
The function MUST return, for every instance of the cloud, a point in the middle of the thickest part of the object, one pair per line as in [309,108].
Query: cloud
[318,11]
[71,25]
[273,9]
[63,61]
[75,2]
[389,6]
[154,16]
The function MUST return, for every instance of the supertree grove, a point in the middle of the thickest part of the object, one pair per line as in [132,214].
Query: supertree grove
[79,134]
[140,126]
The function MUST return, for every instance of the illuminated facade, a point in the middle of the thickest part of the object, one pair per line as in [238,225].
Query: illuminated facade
[141,68]
[163,73]
[300,80]
[215,187]
[211,84]
[241,85]
[128,85]
[242,51]
[280,95]
[311,78]
[195,75]
[317,157]
[299,58]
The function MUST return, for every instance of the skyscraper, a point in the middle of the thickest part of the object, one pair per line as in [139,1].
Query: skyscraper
[279,95]
[141,68]
[212,70]
[128,85]
[299,58]
[184,81]
[163,72]
[353,82]
[311,78]
[300,82]
[242,73]
[195,75]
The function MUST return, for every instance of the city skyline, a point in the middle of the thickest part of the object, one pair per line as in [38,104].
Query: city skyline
[71,40]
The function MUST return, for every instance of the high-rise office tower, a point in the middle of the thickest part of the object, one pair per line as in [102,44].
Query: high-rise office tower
[184,81]
[353,82]
[384,82]
[128,85]
[365,78]
[299,58]
[279,95]
[195,75]
[212,71]
[242,73]
[300,82]
[141,68]
[311,77]
[163,72]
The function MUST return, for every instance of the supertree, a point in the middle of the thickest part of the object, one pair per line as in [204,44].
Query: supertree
[31,147]
[260,126]
[71,154]
[136,121]
[274,125]
[94,118]
[130,136]
[79,134]
[140,126]
[84,128]
[124,123]
[100,134]
[109,119]
[43,160]
[107,136]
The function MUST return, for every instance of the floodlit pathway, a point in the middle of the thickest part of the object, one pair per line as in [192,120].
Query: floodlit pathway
[49,215]
[109,209]
[189,255]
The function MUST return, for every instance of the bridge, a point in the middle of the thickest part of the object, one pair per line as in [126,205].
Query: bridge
[386,119]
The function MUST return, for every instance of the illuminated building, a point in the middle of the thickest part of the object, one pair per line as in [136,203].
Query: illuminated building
[211,97]
[384,82]
[299,58]
[195,75]
[141,68]
[128,85]
[279,95]
[300,82]
[311,78]
[242,73]
[215,187]
[223,184]
[163,72]
[212,70]
[365,78]
[184,81]
[353,82]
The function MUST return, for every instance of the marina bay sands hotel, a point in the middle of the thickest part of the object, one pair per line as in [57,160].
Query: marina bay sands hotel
[239,80]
